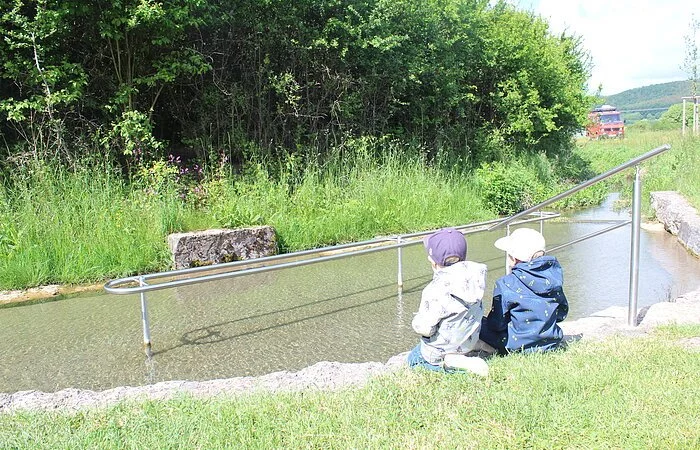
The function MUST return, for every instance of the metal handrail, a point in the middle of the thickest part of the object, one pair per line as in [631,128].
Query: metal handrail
[405,240]
[590,235]
[585,184]
[112,286]
[380,244]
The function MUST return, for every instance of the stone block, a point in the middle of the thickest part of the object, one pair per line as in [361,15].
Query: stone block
[678,217]
[683,310]
[201,248]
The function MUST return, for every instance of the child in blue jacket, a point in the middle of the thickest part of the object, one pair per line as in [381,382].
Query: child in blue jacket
[529,301]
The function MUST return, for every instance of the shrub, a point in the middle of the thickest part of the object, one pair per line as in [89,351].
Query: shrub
[507,189]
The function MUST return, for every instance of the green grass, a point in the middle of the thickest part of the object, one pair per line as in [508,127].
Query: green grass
[89,224]
[350,203]
[675,170]
[75,226]
[621,393]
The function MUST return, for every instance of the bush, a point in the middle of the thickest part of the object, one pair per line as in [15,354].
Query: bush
[507,189]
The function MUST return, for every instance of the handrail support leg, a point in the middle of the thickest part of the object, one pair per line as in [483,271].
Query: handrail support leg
[144,321]
[634,248]
[400,268]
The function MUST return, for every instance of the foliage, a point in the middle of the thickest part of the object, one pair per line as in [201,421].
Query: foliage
[332,120]
[455,76]
[538,100]
[674,170]
[651,125]
[76,226]
[86,223]
[60,225]
[72,68]
[673,117]
[509,188]
[8,230]
[133,135]
[41,82]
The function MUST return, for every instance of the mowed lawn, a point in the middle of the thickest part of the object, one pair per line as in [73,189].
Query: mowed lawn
[622,393]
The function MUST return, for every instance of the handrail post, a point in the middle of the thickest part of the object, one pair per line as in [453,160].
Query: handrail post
[144,322]
[400,268]
[683,118]
[634,248]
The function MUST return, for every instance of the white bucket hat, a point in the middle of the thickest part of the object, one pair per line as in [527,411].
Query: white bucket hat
[522,243]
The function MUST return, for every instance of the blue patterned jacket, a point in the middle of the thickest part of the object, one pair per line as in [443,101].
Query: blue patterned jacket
[527,304]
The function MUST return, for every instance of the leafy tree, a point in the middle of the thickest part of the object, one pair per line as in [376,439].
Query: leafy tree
[95,61]
[536,82]
[674,115]
[458,77]
[41,83]
[690,63]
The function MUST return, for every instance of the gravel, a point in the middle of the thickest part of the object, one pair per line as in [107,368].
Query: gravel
[320,376]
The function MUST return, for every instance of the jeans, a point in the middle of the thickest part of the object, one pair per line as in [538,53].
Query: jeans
[415,359]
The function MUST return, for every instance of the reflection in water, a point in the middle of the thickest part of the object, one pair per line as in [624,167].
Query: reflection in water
[399,309]
[345,310]
[400,322]
[225,331]
[151,376]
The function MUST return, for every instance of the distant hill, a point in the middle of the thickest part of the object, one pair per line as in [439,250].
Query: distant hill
[657,97]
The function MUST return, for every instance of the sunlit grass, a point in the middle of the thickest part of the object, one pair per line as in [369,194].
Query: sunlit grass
[74,226]
[676,169]
[620,393]
[346,204]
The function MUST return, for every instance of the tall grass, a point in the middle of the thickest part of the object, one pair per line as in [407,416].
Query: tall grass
[86,224]
[60,225]
[76,226]
[676,169]
[343,200]
[619,393]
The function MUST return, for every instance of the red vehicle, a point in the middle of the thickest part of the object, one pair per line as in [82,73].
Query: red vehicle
[604,122]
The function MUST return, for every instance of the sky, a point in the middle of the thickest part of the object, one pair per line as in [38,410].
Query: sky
[632,43]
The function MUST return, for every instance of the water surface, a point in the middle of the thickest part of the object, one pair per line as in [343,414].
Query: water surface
[346,310]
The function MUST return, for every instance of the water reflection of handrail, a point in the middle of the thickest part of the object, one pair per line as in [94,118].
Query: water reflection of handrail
[590,235]
[116,286]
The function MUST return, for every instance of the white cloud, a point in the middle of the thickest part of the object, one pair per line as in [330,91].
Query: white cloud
[632,43]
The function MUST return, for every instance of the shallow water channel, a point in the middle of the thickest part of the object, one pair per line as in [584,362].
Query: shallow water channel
[344,310]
